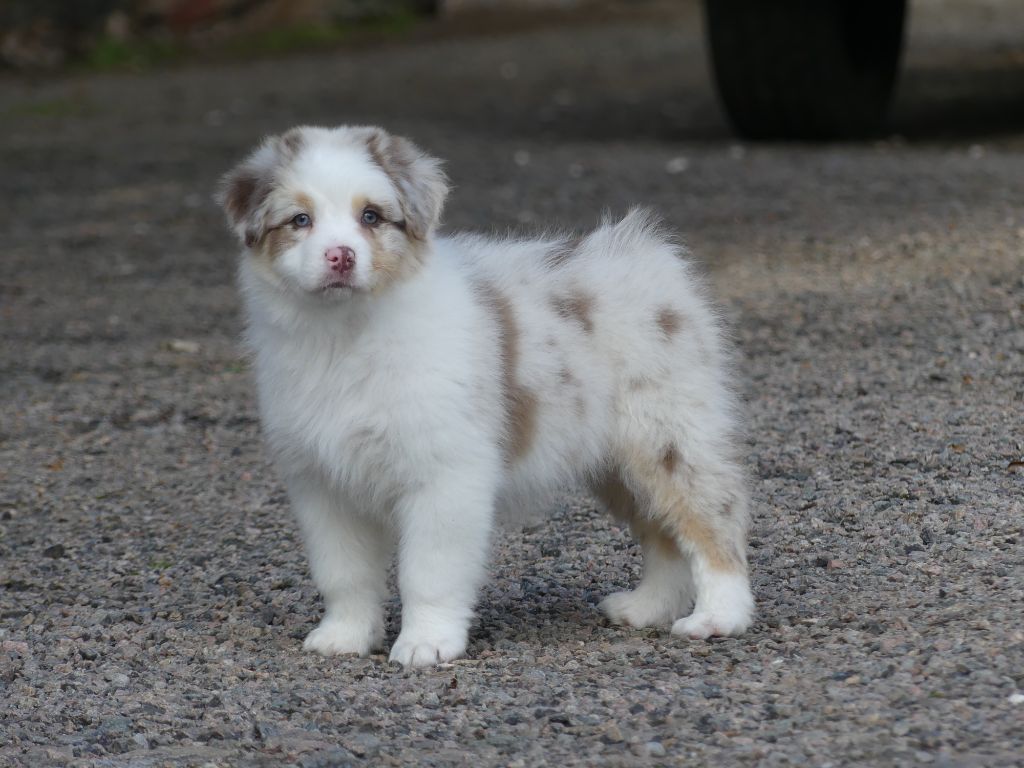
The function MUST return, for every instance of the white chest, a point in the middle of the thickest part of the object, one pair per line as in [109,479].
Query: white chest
[376,417]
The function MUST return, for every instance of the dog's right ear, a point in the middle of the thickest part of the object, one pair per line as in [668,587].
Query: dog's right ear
[245,188]
[239,195]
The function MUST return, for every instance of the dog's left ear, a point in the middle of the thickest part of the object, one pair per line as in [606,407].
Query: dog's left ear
[421,183]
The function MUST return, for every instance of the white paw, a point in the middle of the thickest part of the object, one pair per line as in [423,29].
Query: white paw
[638,609]
[335,637]
[702,624]
[413,649]
[725,608]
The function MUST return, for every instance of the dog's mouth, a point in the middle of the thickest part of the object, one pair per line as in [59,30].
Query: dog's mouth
[338,286]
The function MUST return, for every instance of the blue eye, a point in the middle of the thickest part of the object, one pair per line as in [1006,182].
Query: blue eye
[302,220]
[370,217]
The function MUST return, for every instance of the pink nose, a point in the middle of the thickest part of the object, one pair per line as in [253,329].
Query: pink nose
[341,257]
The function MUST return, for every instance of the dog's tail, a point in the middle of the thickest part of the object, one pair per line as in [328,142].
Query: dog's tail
[639,231]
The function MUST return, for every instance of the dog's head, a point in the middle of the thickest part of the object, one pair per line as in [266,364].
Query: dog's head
[327,212]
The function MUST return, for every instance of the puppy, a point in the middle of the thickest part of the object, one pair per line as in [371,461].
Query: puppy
[411,384]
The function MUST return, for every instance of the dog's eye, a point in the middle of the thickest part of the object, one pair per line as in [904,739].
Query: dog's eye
[370,217]
[302,220]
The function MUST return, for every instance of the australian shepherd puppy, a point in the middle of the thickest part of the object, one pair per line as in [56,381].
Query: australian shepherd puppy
[411,385]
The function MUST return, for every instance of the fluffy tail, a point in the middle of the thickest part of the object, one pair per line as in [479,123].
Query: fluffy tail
[640,231]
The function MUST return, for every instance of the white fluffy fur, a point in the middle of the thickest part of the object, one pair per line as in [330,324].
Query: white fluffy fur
[386,407]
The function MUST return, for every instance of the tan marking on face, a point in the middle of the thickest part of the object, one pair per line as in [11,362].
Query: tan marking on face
[575,306]
[305,203]
[282,235]
[276,241]
[669,321]
[560,253]
[393,256]
[521,405]
[361,203]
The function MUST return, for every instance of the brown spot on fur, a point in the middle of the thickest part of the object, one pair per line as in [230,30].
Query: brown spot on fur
[640,382]
[562,252]
[522,421]
[652,534]
[669,321]
[565,376]
[721,556]
[671,505]
[670,458]
[293,141]
[521,404]
[612,492]
[581,406]
[575,306]
[623,504]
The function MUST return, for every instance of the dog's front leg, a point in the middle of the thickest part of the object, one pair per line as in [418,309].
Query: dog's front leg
[445,531]
[348,556]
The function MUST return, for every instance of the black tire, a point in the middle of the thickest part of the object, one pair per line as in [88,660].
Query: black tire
[805,69]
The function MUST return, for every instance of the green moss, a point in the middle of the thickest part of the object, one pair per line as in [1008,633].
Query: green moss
[49,108]
[109,54]
[304,37]
[236,366]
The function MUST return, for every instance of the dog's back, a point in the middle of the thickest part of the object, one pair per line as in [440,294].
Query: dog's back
[604,326]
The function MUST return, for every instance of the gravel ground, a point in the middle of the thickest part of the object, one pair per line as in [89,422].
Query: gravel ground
[153,593]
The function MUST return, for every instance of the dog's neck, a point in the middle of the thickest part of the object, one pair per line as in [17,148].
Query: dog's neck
[284,312]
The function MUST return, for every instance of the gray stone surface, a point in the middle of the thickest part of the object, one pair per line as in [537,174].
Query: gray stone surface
[152,590]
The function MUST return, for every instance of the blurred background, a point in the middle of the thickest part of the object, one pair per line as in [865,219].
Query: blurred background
[796,69]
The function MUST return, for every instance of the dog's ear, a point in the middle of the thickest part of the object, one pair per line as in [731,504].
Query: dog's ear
[241,192]
[421,183]
[246,187]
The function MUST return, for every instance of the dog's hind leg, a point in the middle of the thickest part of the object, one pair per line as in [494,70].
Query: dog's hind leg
[691,491]
[666,589]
